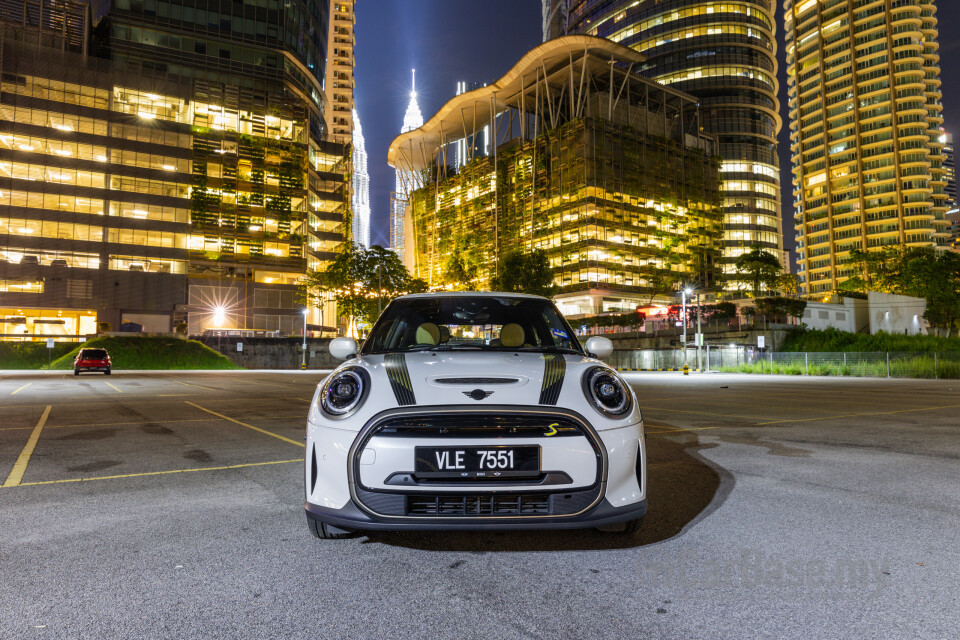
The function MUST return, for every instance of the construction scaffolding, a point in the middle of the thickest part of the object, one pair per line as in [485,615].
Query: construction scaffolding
[604,170]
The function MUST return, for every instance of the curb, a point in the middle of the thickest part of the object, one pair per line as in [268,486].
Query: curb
[691,370]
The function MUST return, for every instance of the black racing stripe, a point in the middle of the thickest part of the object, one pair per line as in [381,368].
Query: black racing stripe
[554,369]
[396,364]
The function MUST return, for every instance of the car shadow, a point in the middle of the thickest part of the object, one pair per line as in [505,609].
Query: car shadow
[684,488]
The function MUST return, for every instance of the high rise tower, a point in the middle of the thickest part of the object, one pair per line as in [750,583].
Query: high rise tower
[340,66]
[725,54]
[361,187]
[406,181]
[863,84]
[187,172]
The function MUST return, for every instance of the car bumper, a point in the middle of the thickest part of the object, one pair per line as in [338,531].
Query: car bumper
[350,517]
[614,490]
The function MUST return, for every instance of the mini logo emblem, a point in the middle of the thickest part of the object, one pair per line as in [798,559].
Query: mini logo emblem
[478,394]
[552,430]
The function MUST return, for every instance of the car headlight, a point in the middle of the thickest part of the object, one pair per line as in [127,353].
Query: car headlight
[344,392]
[607,392]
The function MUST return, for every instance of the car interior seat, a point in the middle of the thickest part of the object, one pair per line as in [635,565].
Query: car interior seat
[512,335]
[428,333]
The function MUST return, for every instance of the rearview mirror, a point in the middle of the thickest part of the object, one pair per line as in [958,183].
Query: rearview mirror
[601,347]
[344,348]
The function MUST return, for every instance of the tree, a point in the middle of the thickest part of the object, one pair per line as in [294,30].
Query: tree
[457,274]
[358,278]
[525,273]
[780,306]
[935,277]
[760,267]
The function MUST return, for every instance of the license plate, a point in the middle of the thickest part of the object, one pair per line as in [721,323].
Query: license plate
[477,462]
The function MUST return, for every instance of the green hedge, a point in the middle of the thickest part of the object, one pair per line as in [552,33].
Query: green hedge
[813,340]
[151,353]
[30,355]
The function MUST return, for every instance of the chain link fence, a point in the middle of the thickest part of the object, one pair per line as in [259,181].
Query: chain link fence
[939,365]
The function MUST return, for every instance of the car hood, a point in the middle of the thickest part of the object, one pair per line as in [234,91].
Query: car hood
[490,380]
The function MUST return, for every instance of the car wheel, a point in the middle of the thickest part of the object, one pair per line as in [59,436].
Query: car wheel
[325,531]
[626,529]
[76,372]
[107,372]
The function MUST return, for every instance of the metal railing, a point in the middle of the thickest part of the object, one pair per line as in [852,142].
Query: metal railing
[934,365]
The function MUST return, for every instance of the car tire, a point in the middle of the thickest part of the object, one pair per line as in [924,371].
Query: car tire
[76,372]
[107,372]
[325,531]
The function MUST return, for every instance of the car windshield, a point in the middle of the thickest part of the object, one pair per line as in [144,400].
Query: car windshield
[499,323]
[93,354]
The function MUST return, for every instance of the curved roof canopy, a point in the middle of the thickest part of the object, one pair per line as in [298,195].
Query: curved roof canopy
[469,112]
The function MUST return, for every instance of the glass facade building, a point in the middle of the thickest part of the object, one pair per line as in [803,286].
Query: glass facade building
[604,170]
[163,163]
[867,148]
[724,53]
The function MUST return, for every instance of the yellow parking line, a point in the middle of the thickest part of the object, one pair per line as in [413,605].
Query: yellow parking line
[248,426]
[117,390]
[16,391]
[20,466]
[190,384]
[160,473]
[860,415]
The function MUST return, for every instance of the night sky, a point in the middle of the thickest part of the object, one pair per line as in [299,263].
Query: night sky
[458,40]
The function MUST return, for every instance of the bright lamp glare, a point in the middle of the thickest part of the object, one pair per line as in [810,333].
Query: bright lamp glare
[688,291]
[306,312]
[219,317]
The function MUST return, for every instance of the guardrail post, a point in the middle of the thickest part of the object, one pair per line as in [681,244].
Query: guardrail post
[771,363]
[888,364]
[806,363]
[936,372]
[738,359]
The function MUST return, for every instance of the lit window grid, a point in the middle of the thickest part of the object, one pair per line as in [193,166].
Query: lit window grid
[922,199]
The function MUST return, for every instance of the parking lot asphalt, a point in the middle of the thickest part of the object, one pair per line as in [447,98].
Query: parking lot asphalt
[170,505]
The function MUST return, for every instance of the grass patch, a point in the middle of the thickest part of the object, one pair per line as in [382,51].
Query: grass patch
[813,340]
[151,353]
[31,355]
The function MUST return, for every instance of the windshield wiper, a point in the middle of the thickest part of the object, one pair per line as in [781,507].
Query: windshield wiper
[444,347]
[549,349]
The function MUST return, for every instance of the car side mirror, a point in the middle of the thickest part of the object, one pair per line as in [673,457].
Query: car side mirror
[599,346]
[343,348]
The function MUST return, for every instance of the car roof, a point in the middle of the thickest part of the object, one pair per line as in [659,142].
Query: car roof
[470,294]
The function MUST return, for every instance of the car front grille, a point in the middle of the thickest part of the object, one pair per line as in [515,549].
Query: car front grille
[477,505]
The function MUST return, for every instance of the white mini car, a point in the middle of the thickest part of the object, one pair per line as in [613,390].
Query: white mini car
[473,411]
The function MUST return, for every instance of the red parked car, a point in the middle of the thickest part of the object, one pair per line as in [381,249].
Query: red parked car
[91,360]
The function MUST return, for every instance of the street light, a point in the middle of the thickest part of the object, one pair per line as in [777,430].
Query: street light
[303,362]
[683,297]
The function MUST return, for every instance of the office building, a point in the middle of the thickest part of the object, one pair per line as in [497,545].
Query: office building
[724,53]
[163,165]
[608,172]
[406,181]
[868,162]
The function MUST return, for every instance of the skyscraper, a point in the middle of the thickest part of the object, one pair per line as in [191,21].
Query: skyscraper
[406,181]
[340,66]
[186,170]
[361,187]
[725,54]
[949,170]
[863,84]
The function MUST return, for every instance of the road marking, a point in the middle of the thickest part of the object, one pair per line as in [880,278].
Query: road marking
[190,384]
[159,473]
[20,466]
[860,415]
[248,426]
[15,392]
[117,390]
